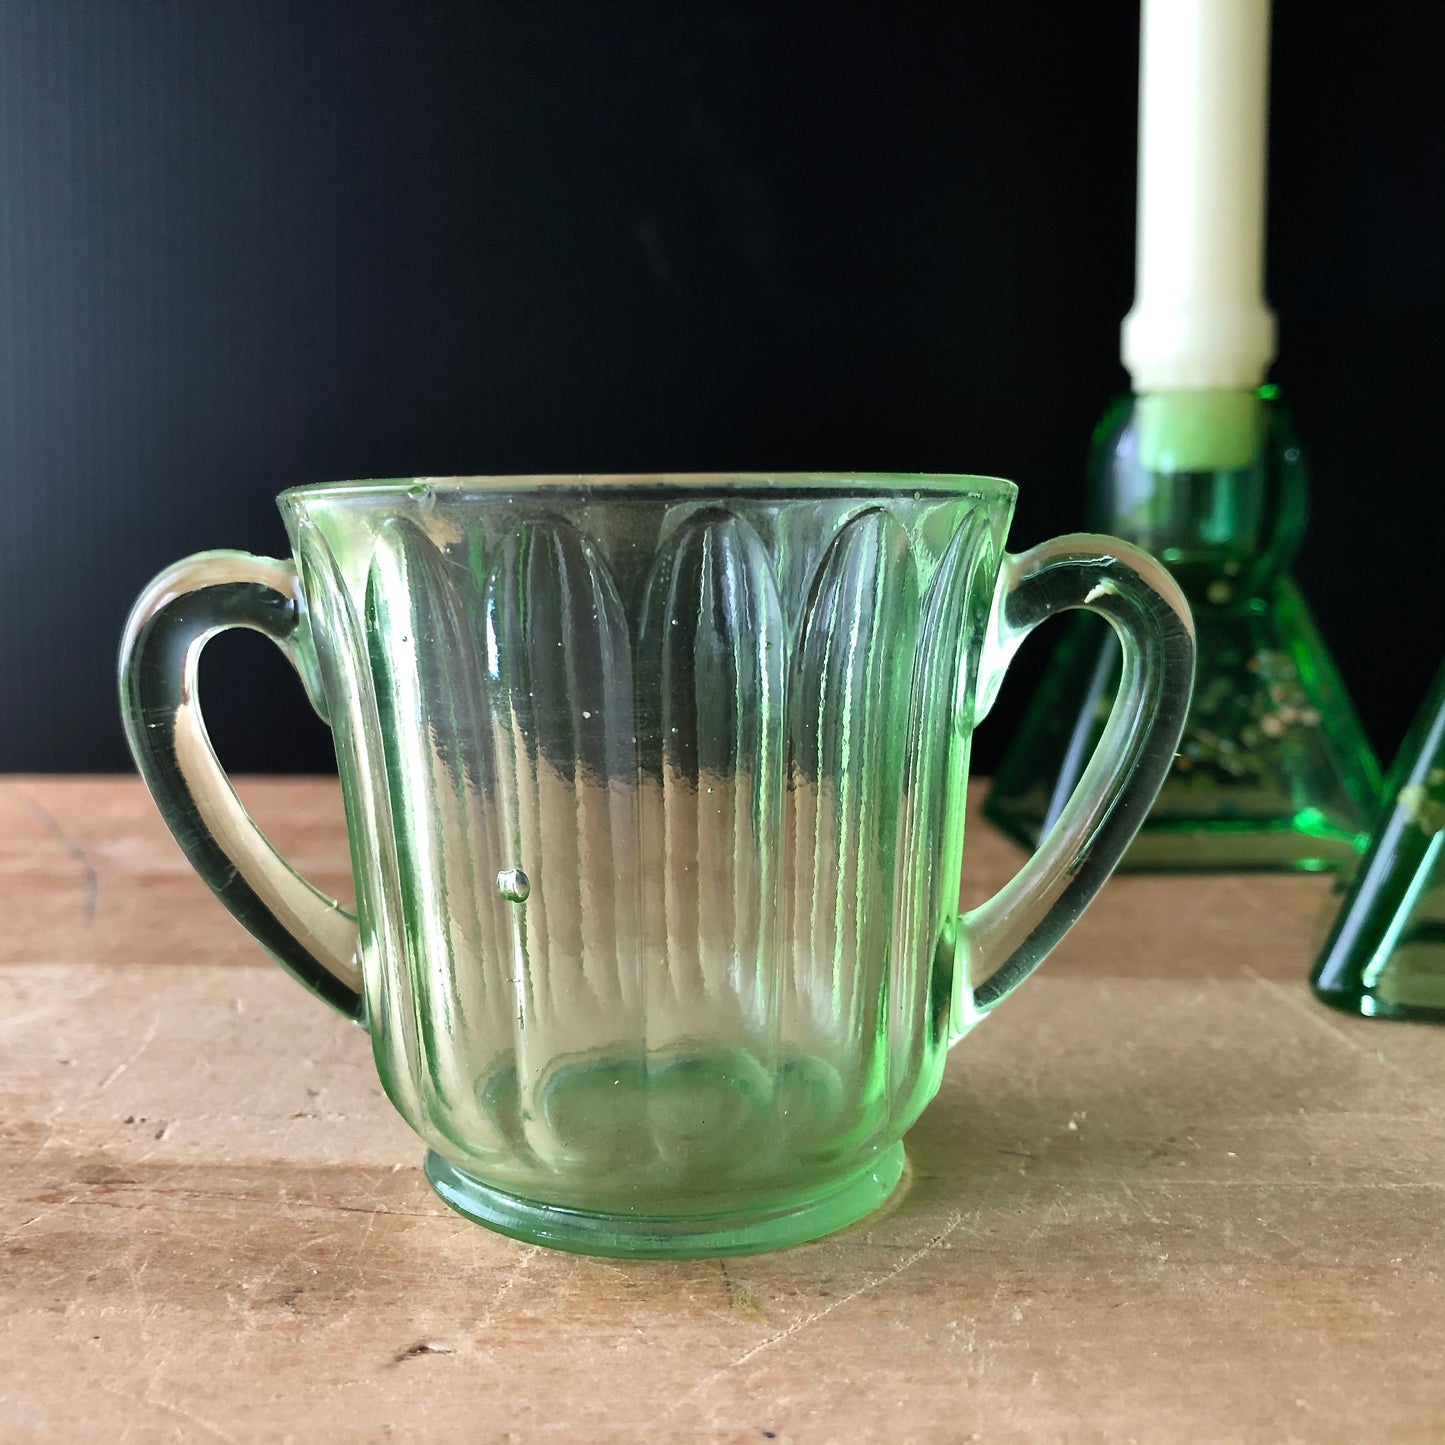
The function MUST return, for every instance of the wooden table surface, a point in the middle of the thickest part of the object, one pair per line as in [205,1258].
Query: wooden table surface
[1162,1196]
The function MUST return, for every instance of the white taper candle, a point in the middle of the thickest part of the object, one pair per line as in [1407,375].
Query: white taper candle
[1199,320]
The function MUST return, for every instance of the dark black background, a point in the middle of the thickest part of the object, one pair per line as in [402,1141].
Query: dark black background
[248,244]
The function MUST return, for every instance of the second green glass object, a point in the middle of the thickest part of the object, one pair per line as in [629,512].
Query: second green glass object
[1274,770]
[1385,957]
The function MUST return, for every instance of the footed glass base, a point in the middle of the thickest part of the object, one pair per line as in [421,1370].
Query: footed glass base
[643,1236]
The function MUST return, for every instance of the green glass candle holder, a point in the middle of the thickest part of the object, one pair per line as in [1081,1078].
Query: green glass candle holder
[1274,770]
[1385,956]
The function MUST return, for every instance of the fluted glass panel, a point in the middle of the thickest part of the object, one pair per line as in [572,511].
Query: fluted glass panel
[657,807]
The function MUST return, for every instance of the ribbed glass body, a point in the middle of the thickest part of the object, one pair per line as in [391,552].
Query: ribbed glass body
[656,803]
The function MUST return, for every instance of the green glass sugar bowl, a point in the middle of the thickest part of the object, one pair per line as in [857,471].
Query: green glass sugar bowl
[655,791]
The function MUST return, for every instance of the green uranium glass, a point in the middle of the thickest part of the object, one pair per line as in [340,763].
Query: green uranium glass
[1274,770]
[1385,956]
[655,792]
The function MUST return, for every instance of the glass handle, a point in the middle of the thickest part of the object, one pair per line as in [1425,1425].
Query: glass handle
[188,604]
[1007,937]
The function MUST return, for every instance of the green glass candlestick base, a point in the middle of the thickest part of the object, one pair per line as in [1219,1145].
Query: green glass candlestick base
[1385,956]
[1274,770]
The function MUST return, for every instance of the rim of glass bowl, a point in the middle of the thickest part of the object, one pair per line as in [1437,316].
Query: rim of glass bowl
[928,483]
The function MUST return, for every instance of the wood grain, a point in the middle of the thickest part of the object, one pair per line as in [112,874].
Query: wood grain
[1162,1196]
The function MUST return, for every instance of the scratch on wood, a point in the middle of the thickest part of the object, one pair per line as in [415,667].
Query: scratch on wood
[1140,1205]
[602,1264]
[329,1206]
[505,1288]
[36,1218]
[1047,1218]
[1315,1186]
[1315,1013]
[807,1321]
[130,1058]
[209,1427]
[56,829]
